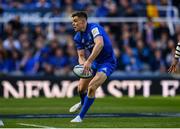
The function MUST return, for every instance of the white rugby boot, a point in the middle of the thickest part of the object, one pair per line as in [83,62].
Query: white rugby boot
[1,123]
[75,107]
[77,119]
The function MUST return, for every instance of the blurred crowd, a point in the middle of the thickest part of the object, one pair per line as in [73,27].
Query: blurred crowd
[98,8]
[37,49]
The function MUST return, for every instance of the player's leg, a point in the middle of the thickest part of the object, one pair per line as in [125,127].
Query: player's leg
[82,90]
[103,71]
[97,81]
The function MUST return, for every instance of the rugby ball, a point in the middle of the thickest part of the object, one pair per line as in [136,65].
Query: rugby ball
[78,71]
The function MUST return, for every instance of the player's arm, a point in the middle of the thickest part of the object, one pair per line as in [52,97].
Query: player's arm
[175,60]
[81,56]
[99,43]
[80,49]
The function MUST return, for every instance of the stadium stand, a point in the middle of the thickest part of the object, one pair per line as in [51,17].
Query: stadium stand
[41,48]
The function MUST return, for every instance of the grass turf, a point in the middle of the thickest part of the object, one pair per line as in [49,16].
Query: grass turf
[97,123]
[138,104]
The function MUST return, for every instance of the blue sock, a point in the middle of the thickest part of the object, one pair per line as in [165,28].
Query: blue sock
[82,95]
[87,103]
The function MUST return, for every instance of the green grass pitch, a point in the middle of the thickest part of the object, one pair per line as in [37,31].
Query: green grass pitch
[138,104]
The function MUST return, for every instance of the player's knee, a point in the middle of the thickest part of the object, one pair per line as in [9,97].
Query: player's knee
[81,88]
[91,91]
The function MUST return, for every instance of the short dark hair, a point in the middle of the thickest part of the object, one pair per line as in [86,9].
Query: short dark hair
[80,14]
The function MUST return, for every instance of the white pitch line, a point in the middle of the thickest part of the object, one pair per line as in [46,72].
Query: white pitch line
[34,125]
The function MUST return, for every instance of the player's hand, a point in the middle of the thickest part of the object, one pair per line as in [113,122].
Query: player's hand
[172,69]
[87,67]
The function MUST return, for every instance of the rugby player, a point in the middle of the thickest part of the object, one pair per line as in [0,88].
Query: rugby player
[93,38]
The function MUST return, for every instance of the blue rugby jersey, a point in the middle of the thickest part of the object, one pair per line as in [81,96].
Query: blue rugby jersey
[85,40]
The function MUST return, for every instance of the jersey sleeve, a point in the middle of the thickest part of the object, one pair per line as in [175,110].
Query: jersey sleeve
[96,31]
[78,43]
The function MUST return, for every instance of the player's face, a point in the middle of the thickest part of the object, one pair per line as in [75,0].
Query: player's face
[78,23]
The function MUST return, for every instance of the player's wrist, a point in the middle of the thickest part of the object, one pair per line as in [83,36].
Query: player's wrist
[89,61]
[81,62]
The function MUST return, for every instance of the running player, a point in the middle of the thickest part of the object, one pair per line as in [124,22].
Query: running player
[93,38]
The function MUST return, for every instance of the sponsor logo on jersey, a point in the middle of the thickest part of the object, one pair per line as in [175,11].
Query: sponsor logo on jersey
[89,46]
[95,31]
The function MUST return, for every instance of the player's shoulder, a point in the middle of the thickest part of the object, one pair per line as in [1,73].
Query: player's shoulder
[96,29]
[94,25]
